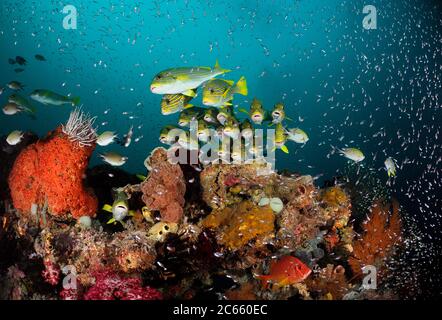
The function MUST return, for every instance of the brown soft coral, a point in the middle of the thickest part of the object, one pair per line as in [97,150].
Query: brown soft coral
[382,231]
[165,187]
[52,171]
[241,223]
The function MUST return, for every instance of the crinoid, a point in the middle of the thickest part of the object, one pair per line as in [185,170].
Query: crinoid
[80,128]
[381,232]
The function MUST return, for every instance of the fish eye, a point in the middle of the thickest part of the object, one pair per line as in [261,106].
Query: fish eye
[167,101]
[211,90]
[166,228]
[158,77]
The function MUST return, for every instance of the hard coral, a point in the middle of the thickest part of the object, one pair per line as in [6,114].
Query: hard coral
[165,187]
[241,223]
[51,171]
[110,286]
[382,231]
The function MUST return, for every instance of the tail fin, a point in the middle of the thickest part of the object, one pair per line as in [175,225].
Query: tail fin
[219,69]
[241,87]
[31,110]
[75,101]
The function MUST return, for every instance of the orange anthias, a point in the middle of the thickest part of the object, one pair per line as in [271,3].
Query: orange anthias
[286,271]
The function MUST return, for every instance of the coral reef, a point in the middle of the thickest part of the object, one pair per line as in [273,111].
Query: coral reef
[199,232]
[127,251]
[50,173]
[165,187]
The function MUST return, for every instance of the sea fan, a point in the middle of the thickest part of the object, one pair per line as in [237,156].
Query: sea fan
[382,231]
[80,128]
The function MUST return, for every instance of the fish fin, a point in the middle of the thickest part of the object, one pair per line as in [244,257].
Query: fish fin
[289,119]
[221,70]
[230,82]
[243,110]
[188,106]
[141,177]
[241,87]
[285,149]
[107,207]
[111,221]
[75,101]
[189,93]
[228,103]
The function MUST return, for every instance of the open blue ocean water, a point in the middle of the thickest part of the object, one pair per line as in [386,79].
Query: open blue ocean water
[378,90]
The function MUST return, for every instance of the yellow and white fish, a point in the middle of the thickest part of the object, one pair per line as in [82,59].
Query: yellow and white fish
[219,92]
[167,138]
[231,128]
[353,154]
[119,209]
[281,138]
[297,135]
[106,138]
[188,142]
[257,113]
[15,137]
[114,159]
[184,79]
[390,166]
[278,113]
[172,103]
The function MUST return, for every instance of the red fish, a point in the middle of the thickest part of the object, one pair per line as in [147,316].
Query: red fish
[286,271]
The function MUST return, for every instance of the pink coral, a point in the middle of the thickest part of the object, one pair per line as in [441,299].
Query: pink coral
[51,274]
[111,286]
[165,187]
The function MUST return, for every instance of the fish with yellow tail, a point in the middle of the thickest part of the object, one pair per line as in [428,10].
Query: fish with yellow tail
[184,79]
[353,154]
[172,103]
[278,113]
[297,135]
[390,166]
[119,209]
[280,138]
[288,270]
[257,113]
[219,92]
